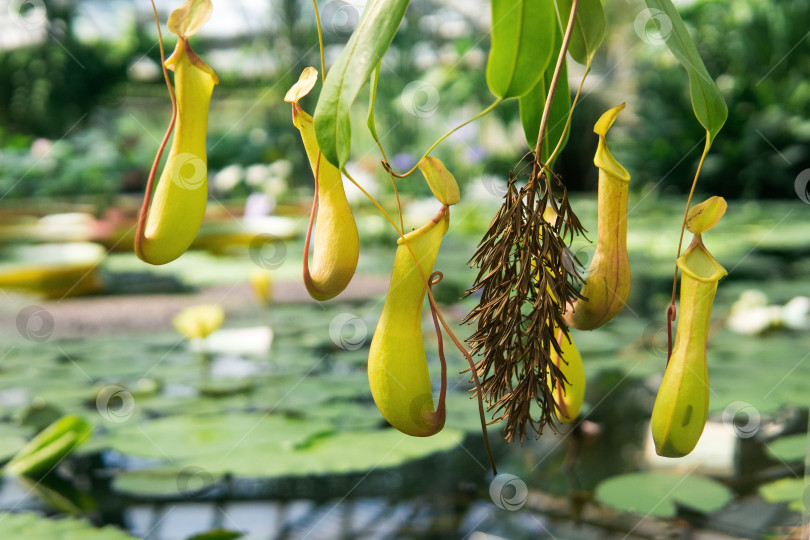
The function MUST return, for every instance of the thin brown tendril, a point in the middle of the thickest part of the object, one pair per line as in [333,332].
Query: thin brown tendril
[139,233]
[672,313]
[307,275]
[435,278]
[478,391]
[435,309]
[671,308]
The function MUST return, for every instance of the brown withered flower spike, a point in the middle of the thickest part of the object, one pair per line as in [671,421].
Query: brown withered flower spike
[525,280]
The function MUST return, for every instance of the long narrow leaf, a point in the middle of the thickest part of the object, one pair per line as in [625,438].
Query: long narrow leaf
[349,74]
[370,122]
[532,103]
[707,102]
[522,42]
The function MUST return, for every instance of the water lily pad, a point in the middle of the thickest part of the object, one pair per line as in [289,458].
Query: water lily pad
[790,448]
[177,438]
[347,415]
[168,483]
[12,439]
[789,490]
[463,414]
[217,534]
[335,454]
[339,453]
[660,495]
[29,525]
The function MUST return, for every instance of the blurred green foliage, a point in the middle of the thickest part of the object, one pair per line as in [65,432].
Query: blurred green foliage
[757,52]
[47,88]
[433,79]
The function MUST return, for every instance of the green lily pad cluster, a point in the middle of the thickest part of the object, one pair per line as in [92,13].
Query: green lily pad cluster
[30,525]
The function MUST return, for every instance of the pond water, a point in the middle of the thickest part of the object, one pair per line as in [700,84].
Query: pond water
[286,442]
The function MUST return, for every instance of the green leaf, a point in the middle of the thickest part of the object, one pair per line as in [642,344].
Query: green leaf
[335,454]
[707,102]
[372,125]
[187,20]
[522,43]
[790,448]
[790,490]
[188,437]
[30,525]
[217,534]
[50,446]
[441,181]
[656,494]
[532,103]
[589,28]
[349,74]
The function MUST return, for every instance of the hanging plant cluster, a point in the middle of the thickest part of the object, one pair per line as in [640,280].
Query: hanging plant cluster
[523,364]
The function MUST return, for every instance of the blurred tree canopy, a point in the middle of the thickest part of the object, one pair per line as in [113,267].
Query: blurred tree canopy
[756,50]
[46,88]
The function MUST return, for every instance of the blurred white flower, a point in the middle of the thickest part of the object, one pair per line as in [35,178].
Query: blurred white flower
[796,313]
[755,320]
[362,177]
[281,167]
[144,69]
[257,136]
[275,186]
[256,175]
[475,58]
[228,178]
[41,147]
[748,299]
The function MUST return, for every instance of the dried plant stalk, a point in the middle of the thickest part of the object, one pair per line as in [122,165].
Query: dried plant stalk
[526,279]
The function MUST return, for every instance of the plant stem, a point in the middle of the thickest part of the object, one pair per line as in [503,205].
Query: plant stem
[570,114]
[320,39]
[671,310]
[373,201]
[443,137]
[552,89]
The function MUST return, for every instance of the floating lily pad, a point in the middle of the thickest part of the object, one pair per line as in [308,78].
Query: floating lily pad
[463,414]
[217,534]
[788,490]
[178,438]
[347,415]
[791,448]
[169,483]
[340,453]
[29,525]
[656,494]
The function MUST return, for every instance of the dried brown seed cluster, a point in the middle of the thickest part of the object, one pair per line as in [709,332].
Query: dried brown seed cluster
[525,279]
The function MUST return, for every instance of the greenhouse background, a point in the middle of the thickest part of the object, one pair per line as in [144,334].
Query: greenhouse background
[221,401]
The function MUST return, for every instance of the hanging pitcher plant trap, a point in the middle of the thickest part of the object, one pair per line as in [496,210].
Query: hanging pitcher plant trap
[524,367]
